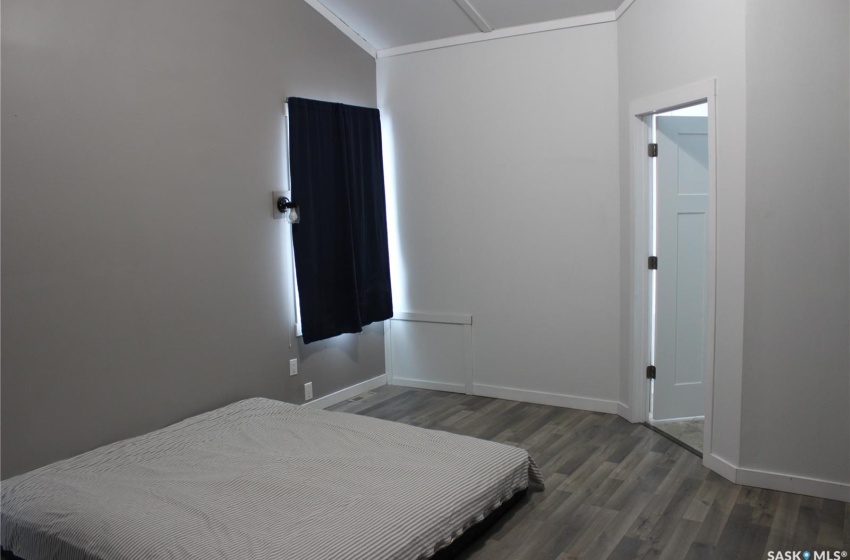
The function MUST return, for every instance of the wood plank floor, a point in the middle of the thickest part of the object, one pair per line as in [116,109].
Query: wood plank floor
[613,489]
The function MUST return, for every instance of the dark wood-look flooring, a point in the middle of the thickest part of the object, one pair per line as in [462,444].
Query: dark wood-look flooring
[613,489]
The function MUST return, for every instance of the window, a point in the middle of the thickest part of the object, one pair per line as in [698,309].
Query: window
[340,245]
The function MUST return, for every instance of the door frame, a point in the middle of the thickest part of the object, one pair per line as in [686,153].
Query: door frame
[640,113]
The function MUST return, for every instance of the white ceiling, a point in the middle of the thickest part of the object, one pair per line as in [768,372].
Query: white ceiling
[388,24]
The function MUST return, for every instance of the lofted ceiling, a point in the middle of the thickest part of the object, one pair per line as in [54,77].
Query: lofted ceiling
[393,26]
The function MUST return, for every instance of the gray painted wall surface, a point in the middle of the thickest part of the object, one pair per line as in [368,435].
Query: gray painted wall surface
[143,279]
[796,418]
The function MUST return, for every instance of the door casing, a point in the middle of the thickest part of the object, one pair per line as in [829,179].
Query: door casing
[640,114]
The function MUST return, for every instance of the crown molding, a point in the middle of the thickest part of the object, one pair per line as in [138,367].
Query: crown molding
[578,21]
[623,7]
[565,23]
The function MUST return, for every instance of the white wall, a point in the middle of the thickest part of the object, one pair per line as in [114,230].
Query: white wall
[664,45]
[796,418]
[466,138]
[506,178]
[143,277]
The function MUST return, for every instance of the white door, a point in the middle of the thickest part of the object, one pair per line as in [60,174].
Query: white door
[681,289]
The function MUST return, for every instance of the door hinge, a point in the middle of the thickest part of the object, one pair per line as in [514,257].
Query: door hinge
[652,150]
[653,263]
[650,372]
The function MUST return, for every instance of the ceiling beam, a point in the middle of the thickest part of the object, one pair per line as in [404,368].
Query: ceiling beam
[477,19]
[578,21]
[474,16]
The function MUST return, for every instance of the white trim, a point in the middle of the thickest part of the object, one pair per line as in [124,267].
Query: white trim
[342,26]
[487,34]
[551,399]
[474,16]
[459,319]
[446,318]
[388,350]
[669,100]
[795,484]
[639,109]
[566,23]
[623,410]
[721,466]
[711,286]
[641,321]
[669,420]
[468,365]
[347,393]
[618,13]
[819,488]
[432,385]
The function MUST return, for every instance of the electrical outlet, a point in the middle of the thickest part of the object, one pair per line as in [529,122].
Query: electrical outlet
[293,366]
[308,391]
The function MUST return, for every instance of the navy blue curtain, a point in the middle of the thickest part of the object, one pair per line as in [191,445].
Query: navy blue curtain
[341,254]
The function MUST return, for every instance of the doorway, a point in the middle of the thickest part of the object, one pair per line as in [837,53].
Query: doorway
[679,299]
[674,205]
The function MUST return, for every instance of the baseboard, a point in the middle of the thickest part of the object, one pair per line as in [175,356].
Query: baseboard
[683,419]
[511,394]
[347,393]
[508,393]
[795,484]
[776,481]
[432,385]
[551,399]
[744,476]
[721,466]
[624,411]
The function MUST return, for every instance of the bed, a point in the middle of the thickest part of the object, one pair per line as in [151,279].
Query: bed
[262,479]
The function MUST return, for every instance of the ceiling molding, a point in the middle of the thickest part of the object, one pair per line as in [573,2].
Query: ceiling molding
[487,33]
[474,16]
[342,26]
[566,23]
[623,7]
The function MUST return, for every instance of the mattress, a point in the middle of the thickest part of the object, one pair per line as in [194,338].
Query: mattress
[262,479]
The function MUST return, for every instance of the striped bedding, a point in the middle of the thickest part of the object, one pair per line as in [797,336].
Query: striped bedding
[262,479]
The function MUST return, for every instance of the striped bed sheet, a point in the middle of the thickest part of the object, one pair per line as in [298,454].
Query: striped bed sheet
[262,479]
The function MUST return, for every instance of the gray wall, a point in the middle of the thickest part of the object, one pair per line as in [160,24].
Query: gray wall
[143,279]
[796,418]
